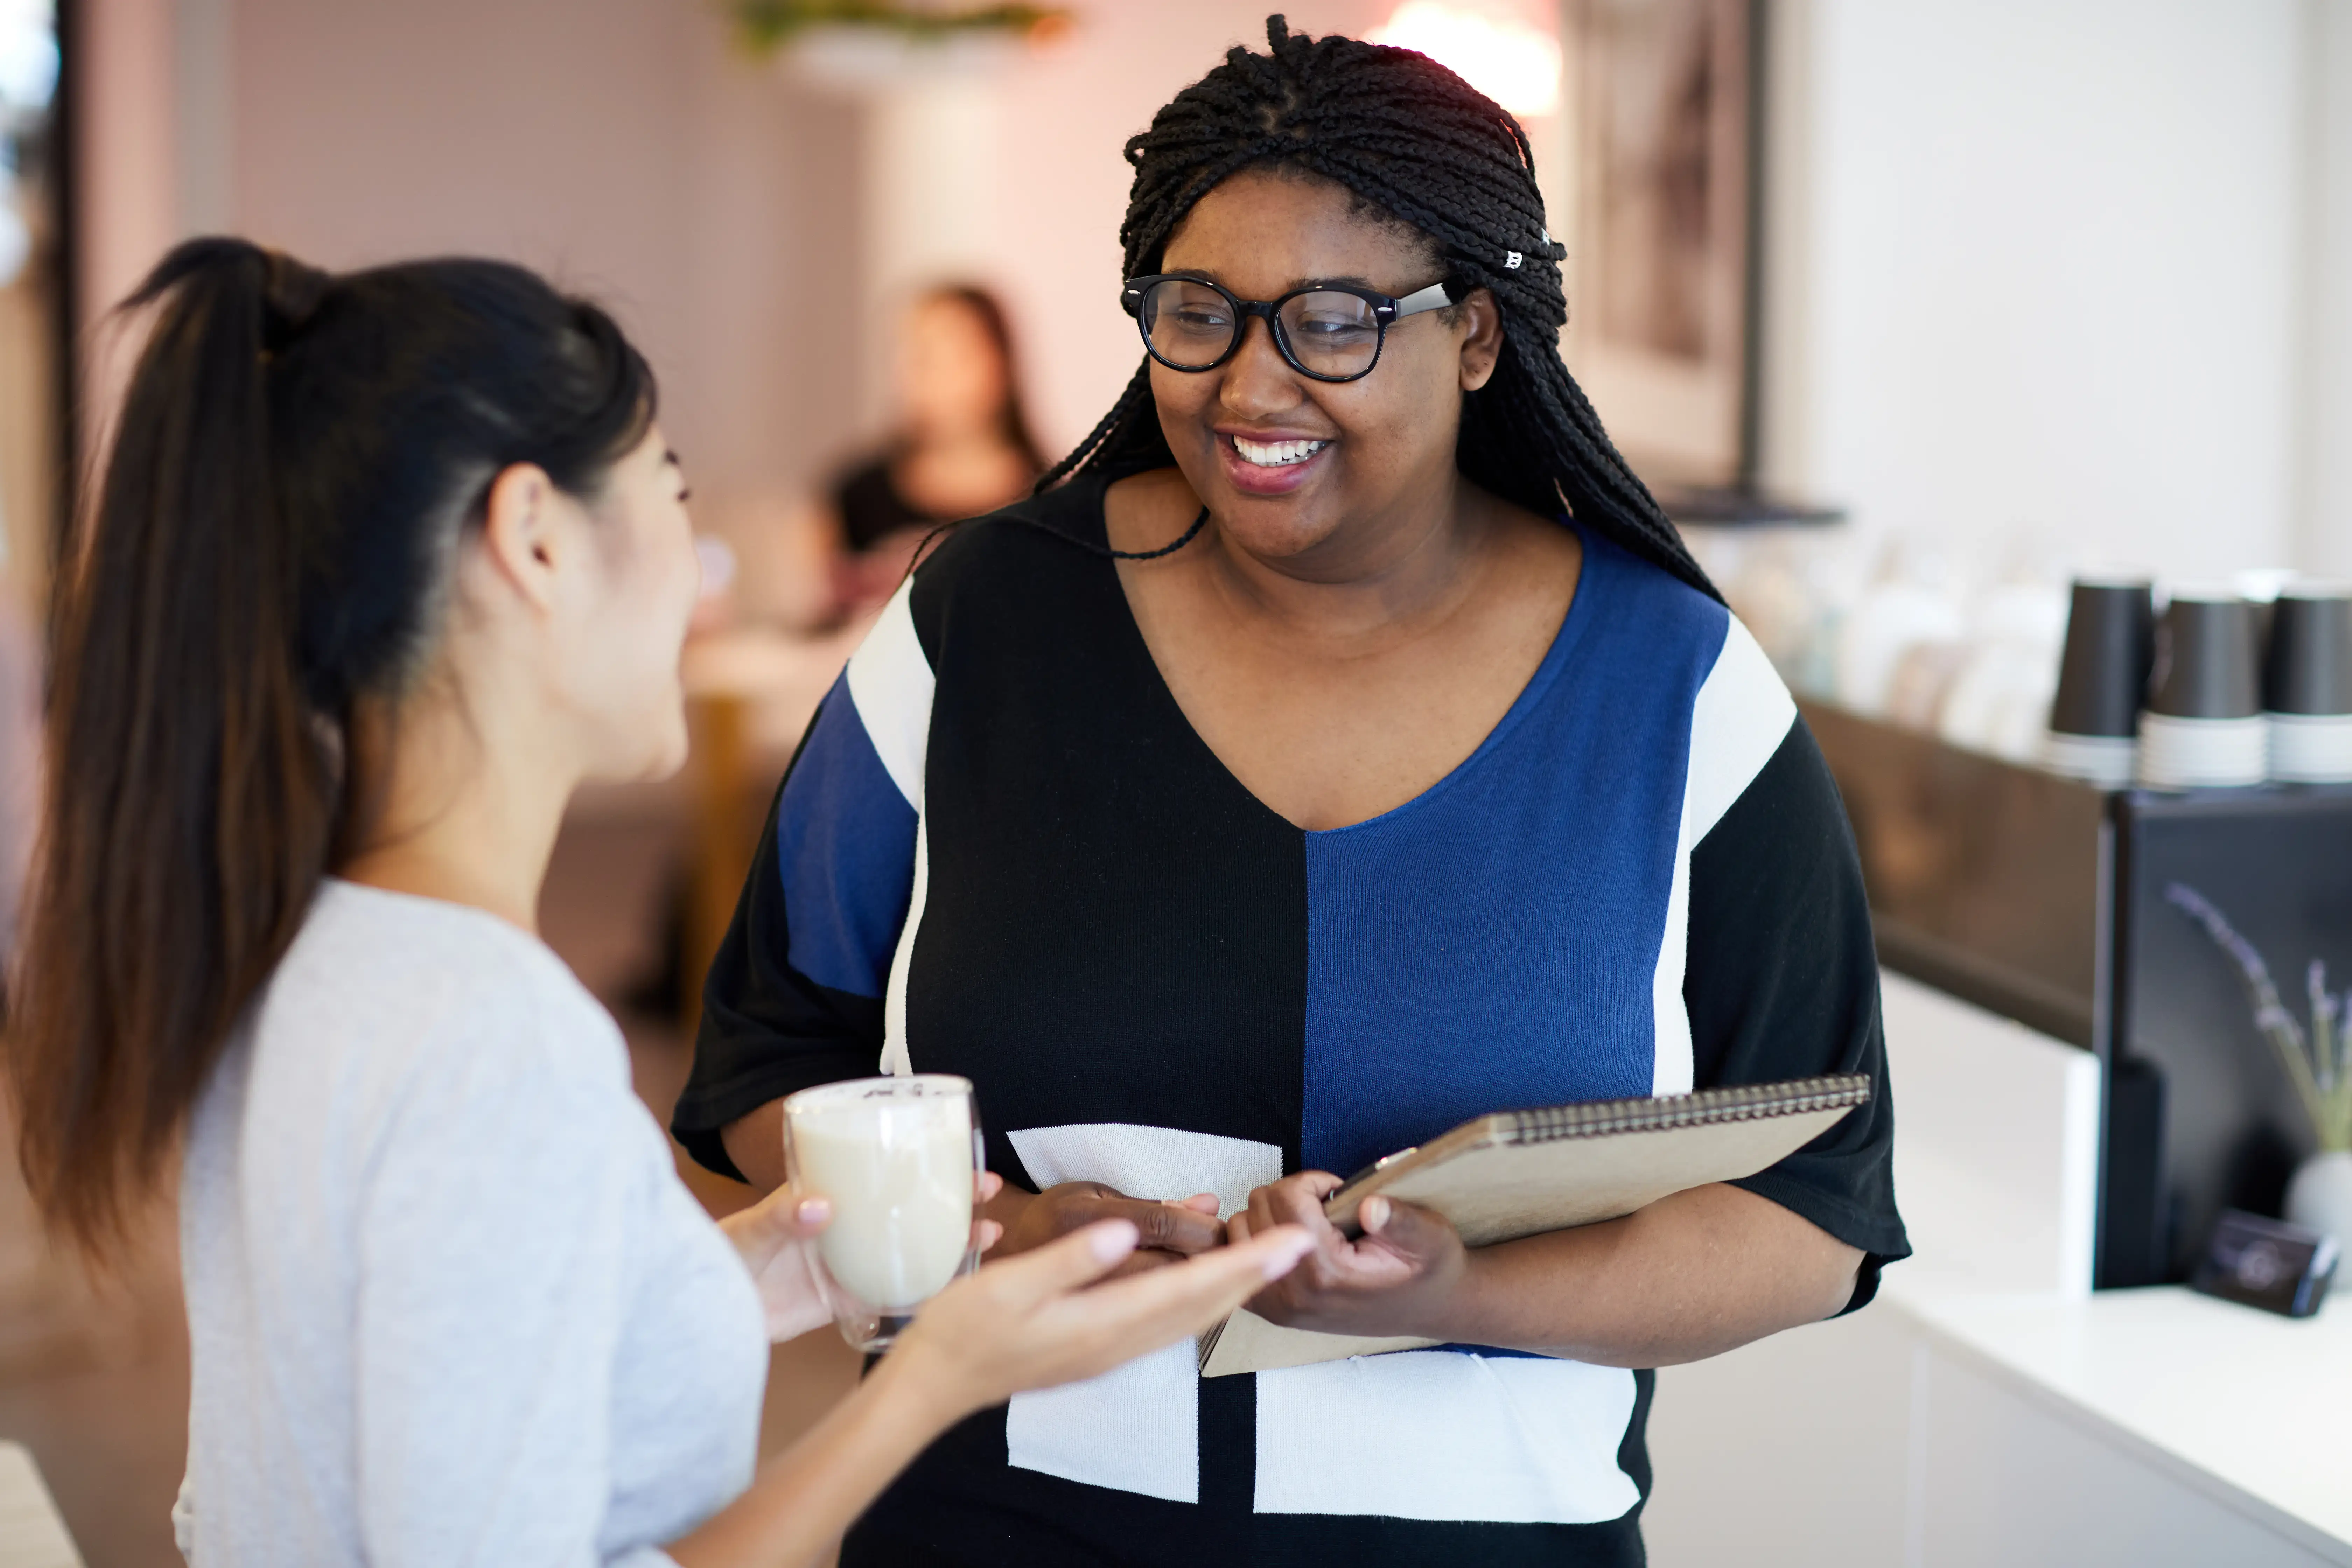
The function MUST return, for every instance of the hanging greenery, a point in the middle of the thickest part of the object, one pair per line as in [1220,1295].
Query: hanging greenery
[766,26]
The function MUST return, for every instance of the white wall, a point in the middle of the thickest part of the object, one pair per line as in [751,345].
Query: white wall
[2040,271]
[2325,493]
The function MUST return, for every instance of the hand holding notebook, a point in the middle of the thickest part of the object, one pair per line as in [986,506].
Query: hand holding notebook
[1518,1174]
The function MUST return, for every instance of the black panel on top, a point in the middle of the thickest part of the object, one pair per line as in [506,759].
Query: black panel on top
[1136,850]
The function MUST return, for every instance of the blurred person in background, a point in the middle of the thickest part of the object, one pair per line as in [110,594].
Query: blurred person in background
[962,445]
[385,564]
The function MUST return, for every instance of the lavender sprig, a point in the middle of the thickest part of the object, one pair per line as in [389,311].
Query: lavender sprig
[2328,1047]
[2314,1065]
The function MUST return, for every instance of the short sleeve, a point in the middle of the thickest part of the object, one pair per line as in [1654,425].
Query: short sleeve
[767,1027]
[490,1298]
[1782,983]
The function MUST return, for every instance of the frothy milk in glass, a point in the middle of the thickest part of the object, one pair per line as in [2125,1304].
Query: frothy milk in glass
[896,1158]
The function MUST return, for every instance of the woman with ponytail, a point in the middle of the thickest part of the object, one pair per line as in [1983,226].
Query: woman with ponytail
[1340,745]
[382,566]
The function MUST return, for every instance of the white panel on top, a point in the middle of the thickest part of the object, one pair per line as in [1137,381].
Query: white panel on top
[1149,1162]
[1446,1434]
[897,1055]
[1136,1428]
[1738,719]
[1670,1052]
[890,681]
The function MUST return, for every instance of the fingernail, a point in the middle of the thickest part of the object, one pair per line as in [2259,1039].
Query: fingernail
[813,1211]
[1374,1214]
[1113,1239]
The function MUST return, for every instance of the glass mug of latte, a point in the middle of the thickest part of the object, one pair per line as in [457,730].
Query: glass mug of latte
[900,1158]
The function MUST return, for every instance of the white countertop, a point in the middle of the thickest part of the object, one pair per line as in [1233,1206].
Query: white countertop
[2247,1416]
[2250,1407]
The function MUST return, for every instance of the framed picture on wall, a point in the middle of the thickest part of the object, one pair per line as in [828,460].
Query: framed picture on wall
[1661,287]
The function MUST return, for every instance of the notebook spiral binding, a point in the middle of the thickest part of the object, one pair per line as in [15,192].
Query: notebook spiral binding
[1738,1103]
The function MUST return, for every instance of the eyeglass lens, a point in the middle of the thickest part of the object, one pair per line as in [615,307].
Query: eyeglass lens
[1329,333]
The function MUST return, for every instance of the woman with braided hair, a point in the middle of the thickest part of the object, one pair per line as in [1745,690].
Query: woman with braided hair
[1340,745]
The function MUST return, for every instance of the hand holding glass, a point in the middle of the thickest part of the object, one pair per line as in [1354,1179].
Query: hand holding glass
[899,1158]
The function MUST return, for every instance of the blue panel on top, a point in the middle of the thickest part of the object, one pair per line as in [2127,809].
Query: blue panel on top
[1493,944]
[845,849]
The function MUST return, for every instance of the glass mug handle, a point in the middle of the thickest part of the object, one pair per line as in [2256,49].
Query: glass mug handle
[978,1169]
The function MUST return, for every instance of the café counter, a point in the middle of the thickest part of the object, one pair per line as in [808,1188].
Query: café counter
[1989,1407]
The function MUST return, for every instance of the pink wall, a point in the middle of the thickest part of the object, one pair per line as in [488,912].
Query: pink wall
[620,145]
[625,148]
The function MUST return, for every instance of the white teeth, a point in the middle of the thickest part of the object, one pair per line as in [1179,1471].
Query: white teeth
[1276,454]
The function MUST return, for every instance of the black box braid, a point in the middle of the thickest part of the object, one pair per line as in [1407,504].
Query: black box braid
[1418,144]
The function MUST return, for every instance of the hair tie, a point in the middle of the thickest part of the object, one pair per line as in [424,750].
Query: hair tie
[290,294]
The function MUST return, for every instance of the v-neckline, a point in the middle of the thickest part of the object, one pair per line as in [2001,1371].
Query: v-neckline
[1546,673]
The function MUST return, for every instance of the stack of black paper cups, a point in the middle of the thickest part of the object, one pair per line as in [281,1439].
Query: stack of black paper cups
[2204,726]
[2102,681]
[2307,684]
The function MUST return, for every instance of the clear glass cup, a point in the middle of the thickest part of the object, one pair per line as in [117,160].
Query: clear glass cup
[899,1159]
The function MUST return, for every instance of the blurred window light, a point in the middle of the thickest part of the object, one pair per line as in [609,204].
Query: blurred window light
[1516,65]
[28,54]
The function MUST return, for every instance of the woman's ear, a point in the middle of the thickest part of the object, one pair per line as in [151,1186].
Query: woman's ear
[520,533]
[1482,346]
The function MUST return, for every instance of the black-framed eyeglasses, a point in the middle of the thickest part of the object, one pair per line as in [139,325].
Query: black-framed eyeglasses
[1331,331]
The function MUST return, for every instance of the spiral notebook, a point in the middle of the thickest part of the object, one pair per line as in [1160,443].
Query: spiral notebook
[1519,1173]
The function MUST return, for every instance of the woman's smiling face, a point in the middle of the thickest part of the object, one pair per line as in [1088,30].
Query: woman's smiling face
[1304,471]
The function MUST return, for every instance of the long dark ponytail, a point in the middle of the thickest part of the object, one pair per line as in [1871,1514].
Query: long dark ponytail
[1421,146]
[296,457]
